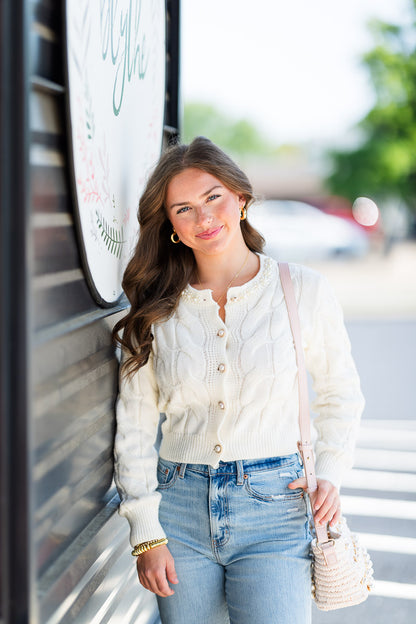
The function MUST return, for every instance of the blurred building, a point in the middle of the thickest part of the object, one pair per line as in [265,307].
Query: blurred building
[287,177]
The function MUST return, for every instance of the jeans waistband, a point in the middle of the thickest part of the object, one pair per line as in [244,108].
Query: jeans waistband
[239,467]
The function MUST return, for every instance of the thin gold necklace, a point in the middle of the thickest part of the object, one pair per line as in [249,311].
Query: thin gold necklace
[235,277]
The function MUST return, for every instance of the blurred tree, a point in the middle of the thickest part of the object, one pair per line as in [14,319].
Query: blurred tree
[384,164]
[239,138]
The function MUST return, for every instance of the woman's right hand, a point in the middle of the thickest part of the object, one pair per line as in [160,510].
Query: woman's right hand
[155,568]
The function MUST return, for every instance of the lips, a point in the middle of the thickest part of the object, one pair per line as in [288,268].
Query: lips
[208,234]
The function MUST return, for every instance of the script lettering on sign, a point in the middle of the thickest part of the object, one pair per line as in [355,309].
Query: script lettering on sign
[122,33]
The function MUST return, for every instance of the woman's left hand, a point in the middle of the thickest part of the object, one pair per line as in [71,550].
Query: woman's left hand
[325,500]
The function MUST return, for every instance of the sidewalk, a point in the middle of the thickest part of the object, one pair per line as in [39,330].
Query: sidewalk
[379,495]
[376,287]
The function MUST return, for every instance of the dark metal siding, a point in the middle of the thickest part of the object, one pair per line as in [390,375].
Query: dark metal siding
[14,306]
[81,567]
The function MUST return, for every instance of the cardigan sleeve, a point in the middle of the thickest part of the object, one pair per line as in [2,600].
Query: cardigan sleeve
[135,454]
[339,402]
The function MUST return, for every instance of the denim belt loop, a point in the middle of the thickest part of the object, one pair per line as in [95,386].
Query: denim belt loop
[182,468]
[240,471]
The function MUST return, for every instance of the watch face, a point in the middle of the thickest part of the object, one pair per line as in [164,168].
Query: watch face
[116,53]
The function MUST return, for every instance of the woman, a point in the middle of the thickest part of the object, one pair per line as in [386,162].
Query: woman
[207,342]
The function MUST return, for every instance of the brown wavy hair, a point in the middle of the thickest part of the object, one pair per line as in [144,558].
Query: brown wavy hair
[159,270]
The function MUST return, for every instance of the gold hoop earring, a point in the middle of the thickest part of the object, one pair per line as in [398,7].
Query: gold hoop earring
[243,214]
[172,237]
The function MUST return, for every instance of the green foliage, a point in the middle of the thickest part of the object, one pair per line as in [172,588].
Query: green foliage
[239,138]
[385,162]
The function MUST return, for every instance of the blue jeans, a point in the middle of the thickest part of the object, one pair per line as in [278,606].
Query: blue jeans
[240,540]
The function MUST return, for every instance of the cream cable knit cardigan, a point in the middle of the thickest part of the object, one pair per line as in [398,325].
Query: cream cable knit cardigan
[229,390]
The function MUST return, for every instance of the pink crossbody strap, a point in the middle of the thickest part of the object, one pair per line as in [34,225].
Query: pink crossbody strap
[305,445]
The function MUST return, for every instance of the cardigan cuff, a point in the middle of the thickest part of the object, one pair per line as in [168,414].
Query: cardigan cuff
[144,521]
[331,468]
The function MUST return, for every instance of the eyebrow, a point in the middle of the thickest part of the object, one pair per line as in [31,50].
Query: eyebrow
[185,203]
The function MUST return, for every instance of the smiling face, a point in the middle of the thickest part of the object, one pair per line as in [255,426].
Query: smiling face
[204,212]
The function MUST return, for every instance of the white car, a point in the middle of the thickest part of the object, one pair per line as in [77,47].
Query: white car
[295,231]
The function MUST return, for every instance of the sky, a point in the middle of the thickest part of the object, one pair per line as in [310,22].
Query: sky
[292,67]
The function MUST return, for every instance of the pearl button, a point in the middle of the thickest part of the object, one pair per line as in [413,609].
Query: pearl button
[220,333]
[221,405]
[218,448]
[221,368]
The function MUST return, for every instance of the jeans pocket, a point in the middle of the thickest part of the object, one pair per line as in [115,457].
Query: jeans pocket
[167,473]
[272,485]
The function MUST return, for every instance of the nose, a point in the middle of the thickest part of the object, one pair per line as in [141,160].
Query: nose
[203,215]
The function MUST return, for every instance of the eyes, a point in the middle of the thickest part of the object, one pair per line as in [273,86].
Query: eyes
[184,209]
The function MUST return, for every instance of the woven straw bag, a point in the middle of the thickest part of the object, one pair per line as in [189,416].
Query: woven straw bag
[343,576]
[342,571]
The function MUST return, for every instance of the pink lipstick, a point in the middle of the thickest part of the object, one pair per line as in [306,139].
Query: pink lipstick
[208,234]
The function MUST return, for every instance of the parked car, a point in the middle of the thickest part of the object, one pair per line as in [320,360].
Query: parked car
[296,231]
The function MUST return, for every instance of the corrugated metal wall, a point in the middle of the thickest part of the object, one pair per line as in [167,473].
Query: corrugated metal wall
[82,570]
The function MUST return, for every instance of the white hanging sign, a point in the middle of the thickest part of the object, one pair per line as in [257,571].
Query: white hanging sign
[116,53]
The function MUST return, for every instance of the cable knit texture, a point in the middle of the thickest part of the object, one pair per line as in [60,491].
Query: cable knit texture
[229,390]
